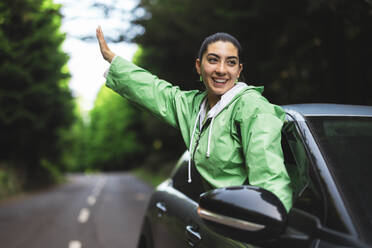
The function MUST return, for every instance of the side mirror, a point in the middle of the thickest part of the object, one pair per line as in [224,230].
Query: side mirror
[244,213]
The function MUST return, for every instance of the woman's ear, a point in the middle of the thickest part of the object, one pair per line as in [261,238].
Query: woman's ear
[240,69]
[198,66]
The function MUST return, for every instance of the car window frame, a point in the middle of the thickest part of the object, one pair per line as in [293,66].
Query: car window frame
[331,194]
[315,183]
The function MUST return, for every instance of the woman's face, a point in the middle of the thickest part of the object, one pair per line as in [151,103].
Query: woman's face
[219,67]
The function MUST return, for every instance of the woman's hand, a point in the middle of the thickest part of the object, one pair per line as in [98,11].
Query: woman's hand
[105,50]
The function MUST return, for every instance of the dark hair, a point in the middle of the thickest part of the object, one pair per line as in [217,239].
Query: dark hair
[219,37]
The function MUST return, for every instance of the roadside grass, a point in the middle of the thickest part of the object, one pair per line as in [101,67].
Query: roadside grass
[14,182]
[55,175]
[9,184]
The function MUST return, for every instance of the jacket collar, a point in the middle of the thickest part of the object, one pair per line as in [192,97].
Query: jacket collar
[225,100]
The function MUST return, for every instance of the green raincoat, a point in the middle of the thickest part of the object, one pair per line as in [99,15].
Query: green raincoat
[237,141]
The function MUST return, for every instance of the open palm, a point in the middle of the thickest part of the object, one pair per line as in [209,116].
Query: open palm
[105,50]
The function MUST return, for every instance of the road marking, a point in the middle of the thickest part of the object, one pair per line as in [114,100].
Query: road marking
[74,244]
[91,200]
[84,215]
[99,186]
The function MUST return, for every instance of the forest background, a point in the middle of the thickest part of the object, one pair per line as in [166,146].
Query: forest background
[301,51]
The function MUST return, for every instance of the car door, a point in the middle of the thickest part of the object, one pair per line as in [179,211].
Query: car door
[195,232]
[172,206]
[164,228]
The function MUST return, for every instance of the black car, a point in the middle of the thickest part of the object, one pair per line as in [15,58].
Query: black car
[328,155]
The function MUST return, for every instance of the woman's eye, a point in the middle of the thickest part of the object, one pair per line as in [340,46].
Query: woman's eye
[212,60]
[231,62]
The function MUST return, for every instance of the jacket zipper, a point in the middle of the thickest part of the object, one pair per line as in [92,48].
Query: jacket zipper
[199,136]
[196,146]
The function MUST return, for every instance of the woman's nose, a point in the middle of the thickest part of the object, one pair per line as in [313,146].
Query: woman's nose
[221,68]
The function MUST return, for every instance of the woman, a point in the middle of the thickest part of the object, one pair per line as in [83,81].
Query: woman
[233,133]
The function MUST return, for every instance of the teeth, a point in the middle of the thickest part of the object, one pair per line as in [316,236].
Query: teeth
[220,81]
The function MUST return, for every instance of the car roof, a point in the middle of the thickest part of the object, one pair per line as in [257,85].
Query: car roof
[321,109]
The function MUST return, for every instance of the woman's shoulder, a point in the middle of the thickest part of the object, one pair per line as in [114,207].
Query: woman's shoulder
[252,98]
[191,98]
[251,102]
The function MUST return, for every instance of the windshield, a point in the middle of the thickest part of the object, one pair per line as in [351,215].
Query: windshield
[346,143]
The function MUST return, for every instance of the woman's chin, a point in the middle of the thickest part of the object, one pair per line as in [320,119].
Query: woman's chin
[220,89]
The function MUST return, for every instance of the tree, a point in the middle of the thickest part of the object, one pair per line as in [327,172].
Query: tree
[112,139]
[34,96]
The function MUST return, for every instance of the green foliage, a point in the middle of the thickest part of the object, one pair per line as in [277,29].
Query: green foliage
[53,171]
[9,182]
[34,98]
[112,136]
[72,140]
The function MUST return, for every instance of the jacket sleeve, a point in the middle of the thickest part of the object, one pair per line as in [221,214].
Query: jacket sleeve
[261,140]
[159,97]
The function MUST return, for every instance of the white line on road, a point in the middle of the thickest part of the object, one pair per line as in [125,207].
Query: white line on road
[91,200]
[74,244]
[84,215]
[99,186]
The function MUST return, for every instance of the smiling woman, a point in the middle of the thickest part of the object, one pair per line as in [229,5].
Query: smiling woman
[233,133]
[219,68]
[218,64]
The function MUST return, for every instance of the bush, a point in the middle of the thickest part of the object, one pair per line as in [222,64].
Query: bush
[9,182]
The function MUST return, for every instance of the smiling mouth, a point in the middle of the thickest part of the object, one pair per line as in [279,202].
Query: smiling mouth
[220,81]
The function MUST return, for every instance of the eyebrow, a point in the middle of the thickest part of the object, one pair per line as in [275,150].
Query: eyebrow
[229,57]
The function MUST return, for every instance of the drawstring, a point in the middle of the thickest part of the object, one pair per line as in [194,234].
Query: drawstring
[203,115]
[192,139]
[209,137]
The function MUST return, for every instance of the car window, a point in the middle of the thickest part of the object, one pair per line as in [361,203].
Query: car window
[306,184]
[346,140]
[306,195]
[180,177]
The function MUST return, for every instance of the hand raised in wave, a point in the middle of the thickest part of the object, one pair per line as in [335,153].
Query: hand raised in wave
[105,50]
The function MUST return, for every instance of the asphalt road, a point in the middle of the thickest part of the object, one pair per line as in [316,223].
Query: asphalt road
[104,210]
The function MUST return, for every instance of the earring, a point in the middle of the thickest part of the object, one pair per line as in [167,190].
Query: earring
[201,78]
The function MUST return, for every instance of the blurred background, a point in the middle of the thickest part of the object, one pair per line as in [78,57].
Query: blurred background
[56,115]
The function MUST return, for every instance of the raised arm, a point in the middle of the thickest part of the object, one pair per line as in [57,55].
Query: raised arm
[146,90]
